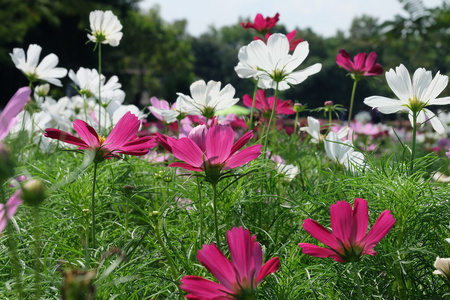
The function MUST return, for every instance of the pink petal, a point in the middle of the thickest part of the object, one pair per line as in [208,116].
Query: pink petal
[317,251]
[320,233]
[271,266]
[360,220]
[381,227]
[219,142]
[65,137]
[9,209]
[370,61]
[341,217]
[219,266]
[185,166]
[186,150]
[246,254]
[201,288]
[139,146]
[241,142]
[125,129]
[87,133]
[359,61]
[14,106]
[343,60]
[198,135]
[163,140]
[243,157]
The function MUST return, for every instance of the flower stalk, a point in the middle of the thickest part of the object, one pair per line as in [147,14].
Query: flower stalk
[352,99]
[93,206]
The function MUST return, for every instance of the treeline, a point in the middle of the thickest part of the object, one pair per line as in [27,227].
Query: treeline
[158,58]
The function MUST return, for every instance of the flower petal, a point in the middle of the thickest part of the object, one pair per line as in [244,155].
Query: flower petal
[317,251]
[242,157]
[219,142]
[271,266]
[381,227]
[201,288]
[320,233]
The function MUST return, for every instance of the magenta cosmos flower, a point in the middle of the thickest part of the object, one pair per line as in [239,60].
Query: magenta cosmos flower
[348,241]
[262,24]
[360,66]
[15,105]
[265,105]
[290,36]
[122,138]
[9,209]
[212,150]
[238,278]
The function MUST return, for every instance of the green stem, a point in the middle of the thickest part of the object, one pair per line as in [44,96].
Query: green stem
[351,102]
[330,121]
[100,87]
[296,121]
[216,222]
[272,114]
[93,205]
[200,206]
[37,250]
[413,150]
[250,122]
[167,254]
[358,281]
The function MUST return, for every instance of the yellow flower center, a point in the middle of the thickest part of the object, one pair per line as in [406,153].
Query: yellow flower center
[101,139]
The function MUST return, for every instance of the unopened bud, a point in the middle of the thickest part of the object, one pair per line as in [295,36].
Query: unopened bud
[128,190]
[329,103]
[42,90]
[154,214]
[298,107]
[34,192]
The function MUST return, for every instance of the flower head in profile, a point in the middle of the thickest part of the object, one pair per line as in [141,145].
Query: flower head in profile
[207,99]
[272,65]
[162,110]
[212,150]
[442,266]
[349,239]
[46,70]
[261,24]
[413,96]
[105,28]
[361,66]
[239,278]
[343,152]
[121,140]
[265,105]
[12,109]
[8,209]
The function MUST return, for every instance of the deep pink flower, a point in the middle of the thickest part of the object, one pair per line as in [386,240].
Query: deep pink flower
[14,106]
[265,105]
[360,66]
[262,24]
[238,278]
[348,241]
[122,138]
[290,36]
[212,150]
[9,209]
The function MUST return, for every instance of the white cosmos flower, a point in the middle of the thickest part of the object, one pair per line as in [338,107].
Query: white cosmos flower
[313,129]
[45,71]
[86,80]
[343,152]
[287,171]
[105,28]
[207,99]
[271,64]
[413,95]
[442,266]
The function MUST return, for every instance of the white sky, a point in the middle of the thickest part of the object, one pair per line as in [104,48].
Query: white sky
[324,17]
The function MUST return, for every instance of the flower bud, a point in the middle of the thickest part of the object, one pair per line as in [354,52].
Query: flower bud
[34,192]
[128,190]
[298,107]
[328,103]
[42,90]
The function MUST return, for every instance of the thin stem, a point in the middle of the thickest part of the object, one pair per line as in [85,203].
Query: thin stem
[351,102]
[250,122]
[37,250]
[216,222]
[272,114]
[413,150]
[330,120]
[200,206]
[295,123]
[93,205]
[358,281]
[100,87]
[167,254]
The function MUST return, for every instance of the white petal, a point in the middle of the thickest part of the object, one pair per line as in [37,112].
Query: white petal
[385,105]
[400,83]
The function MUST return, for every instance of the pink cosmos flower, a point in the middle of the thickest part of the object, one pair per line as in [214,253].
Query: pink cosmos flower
[122,138]
[212,150]
[360,66]
[348,241]
[265,105]
[9,209]
[262,24]
[238,278]
[14,106]
[290,36]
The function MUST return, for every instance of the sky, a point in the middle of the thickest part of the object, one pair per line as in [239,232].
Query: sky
[324,17]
